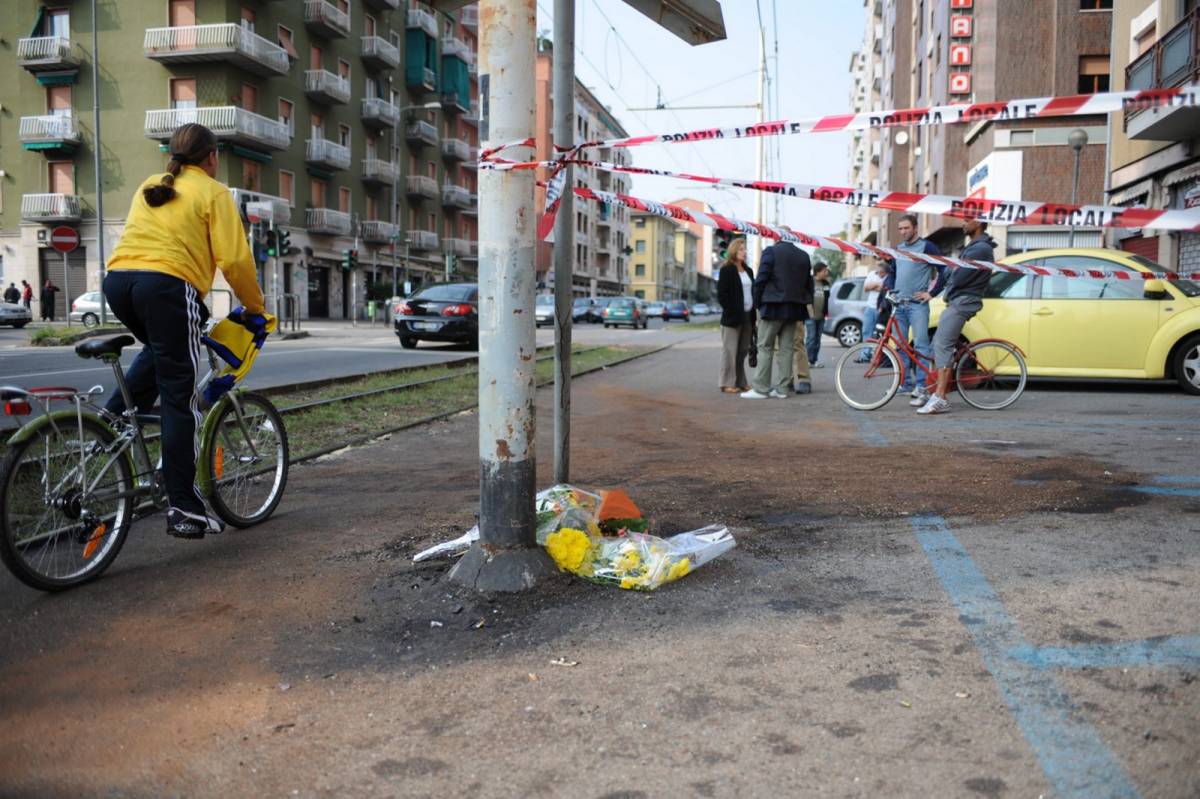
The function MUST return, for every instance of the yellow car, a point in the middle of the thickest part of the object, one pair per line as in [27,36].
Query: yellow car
[1087,327]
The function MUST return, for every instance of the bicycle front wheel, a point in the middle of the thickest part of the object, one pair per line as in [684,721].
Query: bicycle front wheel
[867,382]
[247,459]
[67,504]
[990,375]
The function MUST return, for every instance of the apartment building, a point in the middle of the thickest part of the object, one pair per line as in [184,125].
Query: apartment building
[706,260]
[1154,159]
[355,122]
[866,146]
[664,258]
[600,233]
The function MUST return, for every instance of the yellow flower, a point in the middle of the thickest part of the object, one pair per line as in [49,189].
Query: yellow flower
[629,560]
[629,582]
[592,527]
[569,548]
[680,569]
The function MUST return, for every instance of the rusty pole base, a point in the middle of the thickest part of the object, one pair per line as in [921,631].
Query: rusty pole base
[487,568]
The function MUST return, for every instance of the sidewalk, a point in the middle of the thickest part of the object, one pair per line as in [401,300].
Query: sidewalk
[310,657]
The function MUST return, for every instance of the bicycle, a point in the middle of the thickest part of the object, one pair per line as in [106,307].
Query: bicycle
[989,374]
[75,479]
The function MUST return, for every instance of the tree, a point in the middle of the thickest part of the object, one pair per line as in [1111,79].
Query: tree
[836,259]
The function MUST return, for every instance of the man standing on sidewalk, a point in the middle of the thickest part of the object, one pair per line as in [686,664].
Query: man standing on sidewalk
[782,289]
[12,294]
[815,326]
[913,279]
[27,294]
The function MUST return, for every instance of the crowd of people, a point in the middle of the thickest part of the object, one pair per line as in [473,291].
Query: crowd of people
[24,296]
[763,314]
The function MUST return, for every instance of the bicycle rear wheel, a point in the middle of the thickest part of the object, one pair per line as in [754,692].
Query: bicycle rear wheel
[990,375]
[66,506]
[867,383]
[247,459]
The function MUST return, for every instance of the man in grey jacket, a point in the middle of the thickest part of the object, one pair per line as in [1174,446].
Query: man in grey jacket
[964,290]
[782,290]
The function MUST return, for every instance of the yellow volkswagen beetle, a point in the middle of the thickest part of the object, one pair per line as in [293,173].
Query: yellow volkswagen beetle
[1087,327]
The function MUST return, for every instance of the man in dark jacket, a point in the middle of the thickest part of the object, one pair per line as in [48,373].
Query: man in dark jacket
[964,289]
[12,294]
[783,288]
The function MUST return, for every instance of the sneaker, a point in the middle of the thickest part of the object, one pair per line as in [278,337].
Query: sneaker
[935,405]
[183,524]
[752,394]
[818,365]
[803,388]
[776,394]
[919,399]
[918,391]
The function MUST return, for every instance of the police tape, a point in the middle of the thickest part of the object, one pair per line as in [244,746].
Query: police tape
[680,214]
[949,114]
[998,212]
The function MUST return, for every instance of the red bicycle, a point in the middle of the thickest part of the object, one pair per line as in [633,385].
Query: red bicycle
[989,374]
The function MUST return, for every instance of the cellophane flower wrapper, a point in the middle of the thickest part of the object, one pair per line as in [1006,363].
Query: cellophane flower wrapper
[636,561]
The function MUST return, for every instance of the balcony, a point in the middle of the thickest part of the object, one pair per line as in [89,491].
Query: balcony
[384,5]
[379,53]
[469,18]
[326,87]
[52,132]
[421,79]
[471,117]
[326,153]
[421,187]
[453,101]
[327,222]
[1174,60]
[421,133]
[456,196]
[379,113]
[379,173]
[47,54]
[457,48]
[230,123]
[282,208]
[457,150]
[423,239]
[326,19]
[51,208]
[376,232]
[463,248]
[420,19]
[228,42]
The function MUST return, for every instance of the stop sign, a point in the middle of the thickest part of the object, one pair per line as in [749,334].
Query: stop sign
[64,239]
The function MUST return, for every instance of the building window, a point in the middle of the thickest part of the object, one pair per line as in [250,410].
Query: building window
[286,115]
[368,25]
[314,57]
[248,19]
[343,69]
[431,221]
[287,41]
[641,246]
[344,135]
[287,186]
[249,97]
[1095,5]
[639,270]
[61,177]
[1093,74]
[318,193]
[1020,138]
[183,92]
[58,100]
[251,175]
[344,200]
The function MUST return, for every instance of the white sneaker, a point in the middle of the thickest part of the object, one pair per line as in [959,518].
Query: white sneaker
[819,365]
[752,394]
[918,391]
[935,405]
[919,399]
[776,394]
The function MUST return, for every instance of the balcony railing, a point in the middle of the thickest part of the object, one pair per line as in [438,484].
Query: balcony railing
[328,222]
[326,87]
[421,19]
[228,122]
[326,19]
[464,248]
[457,48]
[378,232]
[469,17]
[281,207]
[471,117]
[43,53]
[422,78]
[421,186]
[323,152]
[379,53]
[423,239]
[380,113]
[453,101]
[42,132]
[456,196]
[420,132]
[51,208]
[457,150]
[227,41]
[1173,60]
[375,170]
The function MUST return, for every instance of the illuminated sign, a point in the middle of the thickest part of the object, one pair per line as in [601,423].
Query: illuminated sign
[962,29]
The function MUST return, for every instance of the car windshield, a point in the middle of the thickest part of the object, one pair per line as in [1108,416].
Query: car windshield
[447,292]
[602,302]
[677,304]
[1190,288]
[581,302]
[545,299]
[621,304]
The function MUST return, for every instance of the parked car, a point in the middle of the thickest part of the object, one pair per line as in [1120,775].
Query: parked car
[596,315]
[1091,327]
[656,309]
[543,311]
[626,311]
[86,309]
[14,314]
[701,309]
[677,309]
[847,304]
[441,312]
[581,309]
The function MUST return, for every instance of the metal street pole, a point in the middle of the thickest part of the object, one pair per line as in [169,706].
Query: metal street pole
[506,557]
[96,162]
[564,240]
[1078,139]
[759,146]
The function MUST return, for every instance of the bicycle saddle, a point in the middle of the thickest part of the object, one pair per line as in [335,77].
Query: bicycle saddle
[98,348]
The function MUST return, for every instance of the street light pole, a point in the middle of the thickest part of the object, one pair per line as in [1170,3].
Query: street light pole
[96,162]
[1078,139]
[564,242]
[506,557]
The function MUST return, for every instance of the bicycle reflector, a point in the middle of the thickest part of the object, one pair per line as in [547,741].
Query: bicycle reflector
[17,408]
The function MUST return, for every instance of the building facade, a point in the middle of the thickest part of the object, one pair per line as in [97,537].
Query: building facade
[1154,159]
[866,146]
[707,261]
[600,234]
[663,261]
[356,123]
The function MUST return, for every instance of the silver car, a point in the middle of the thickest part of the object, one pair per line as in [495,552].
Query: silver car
[543,310]
[86,309]
[13,314]
[846,306]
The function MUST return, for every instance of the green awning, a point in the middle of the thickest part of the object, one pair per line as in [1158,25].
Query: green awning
[65,78]
[320,173]
[253,155]
[37,26]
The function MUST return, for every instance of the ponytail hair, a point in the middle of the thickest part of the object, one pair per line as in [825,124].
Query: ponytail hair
[190,144]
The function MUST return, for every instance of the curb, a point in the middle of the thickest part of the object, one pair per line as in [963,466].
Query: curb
[86,334]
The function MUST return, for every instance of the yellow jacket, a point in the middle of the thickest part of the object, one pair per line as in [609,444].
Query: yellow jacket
[190,237]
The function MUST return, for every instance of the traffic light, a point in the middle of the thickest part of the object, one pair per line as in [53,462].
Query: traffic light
[272,243]
[283,238]
[721,242]
[349,259]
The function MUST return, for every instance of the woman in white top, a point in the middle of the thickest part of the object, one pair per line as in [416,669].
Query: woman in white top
[737,317]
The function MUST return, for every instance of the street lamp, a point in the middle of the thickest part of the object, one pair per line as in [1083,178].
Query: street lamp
[1078,139]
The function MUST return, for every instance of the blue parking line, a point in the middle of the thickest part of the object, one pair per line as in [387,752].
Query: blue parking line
[1072,755]
[871,435]
[1177,479]
[1170,492]
[1165,652]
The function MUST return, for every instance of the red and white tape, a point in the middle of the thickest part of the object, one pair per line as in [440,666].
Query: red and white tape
[680,214]
[999,212]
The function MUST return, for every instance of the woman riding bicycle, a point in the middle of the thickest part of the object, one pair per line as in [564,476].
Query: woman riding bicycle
[182,227]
